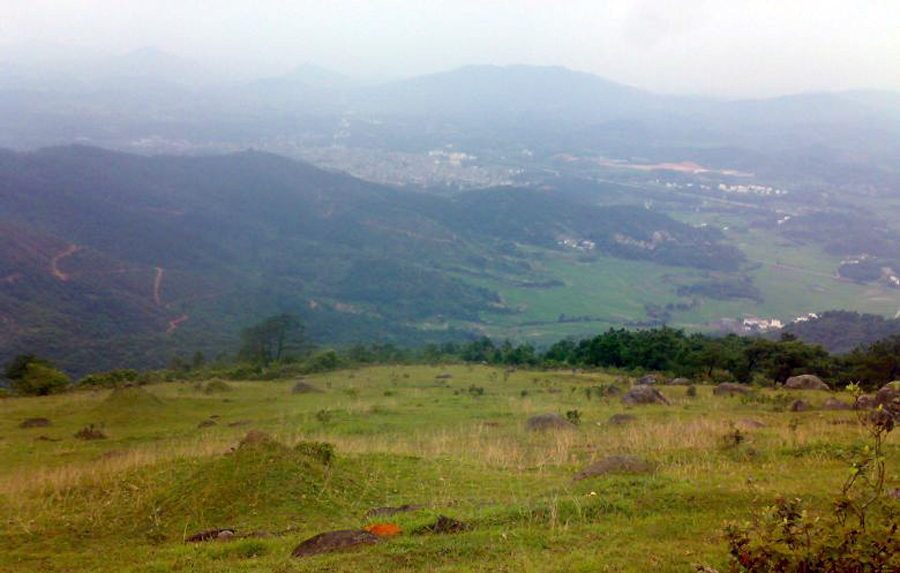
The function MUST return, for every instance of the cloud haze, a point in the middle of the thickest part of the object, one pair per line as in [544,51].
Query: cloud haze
[723,47]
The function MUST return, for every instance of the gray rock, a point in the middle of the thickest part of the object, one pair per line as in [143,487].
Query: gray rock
[730,389]
[678,382]
[800,406]
[35,423]
[648,380]
[887,394]
[864,402]
[805,382]
[751,424]
[614,464]
[548,422]
[211,535]
[833,403]
[643,395]
[332,541]
[301,387]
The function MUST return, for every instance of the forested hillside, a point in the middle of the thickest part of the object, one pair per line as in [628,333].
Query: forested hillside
[109,259]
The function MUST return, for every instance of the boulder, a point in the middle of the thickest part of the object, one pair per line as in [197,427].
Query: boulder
[805,382]
[643,395]
[444,376]
[800,406]
[301,387]
[833,403]
[751,424]
[548,422]
[730,389]
[678,382]
[621,419]
[211,535]
[332,541]
[864,402]
[887,394]
[648,380]
[35,423]
[614,464]
[206,424]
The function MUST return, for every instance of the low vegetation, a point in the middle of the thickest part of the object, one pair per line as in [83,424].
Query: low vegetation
[276,468]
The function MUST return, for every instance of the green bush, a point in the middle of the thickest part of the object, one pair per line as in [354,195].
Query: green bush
[41,380]
[111,379]
[321,451]
[859,536]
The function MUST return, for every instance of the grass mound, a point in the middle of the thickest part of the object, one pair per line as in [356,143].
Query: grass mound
[132,398]
[262,485]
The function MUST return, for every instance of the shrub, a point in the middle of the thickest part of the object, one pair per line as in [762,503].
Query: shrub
[859,536]
[321,451]
[476,391]
[691,392]
[111,379]
[41,380]
[574,416]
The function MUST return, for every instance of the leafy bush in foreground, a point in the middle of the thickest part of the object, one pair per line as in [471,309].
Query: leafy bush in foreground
[860,536]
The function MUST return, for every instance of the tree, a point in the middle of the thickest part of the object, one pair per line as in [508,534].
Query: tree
[272,340]
[41,380]
[18,366]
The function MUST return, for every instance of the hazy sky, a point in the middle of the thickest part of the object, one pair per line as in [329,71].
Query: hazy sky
[723,47]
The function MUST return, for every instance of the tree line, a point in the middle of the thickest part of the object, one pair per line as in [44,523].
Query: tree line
[277,347]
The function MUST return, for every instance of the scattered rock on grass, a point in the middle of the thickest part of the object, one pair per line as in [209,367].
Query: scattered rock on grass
[614,464]
[35,423]
[332,541]
[239,423]
[621,419]
[206,424]
[648,380]
[211,535]
[301,387]
[800,406]
[833,403]
[643,395]
[678,382]
[730,389]
[443,376]
[548,422]
[805,382]
[864,403]
[887,394]
[443,524]
[387,511]
[751,424]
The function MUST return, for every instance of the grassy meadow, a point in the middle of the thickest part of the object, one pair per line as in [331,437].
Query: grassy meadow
[421,435]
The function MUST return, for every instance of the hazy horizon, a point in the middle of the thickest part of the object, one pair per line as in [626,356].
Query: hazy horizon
[723,49]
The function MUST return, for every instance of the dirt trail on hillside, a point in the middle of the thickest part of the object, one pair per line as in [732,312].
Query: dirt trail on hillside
[157,283]
[174,324]
[54,262]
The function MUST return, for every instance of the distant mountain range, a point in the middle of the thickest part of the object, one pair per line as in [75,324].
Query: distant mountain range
[149,95]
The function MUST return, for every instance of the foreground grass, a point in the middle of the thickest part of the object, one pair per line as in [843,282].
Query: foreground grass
[402,436]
